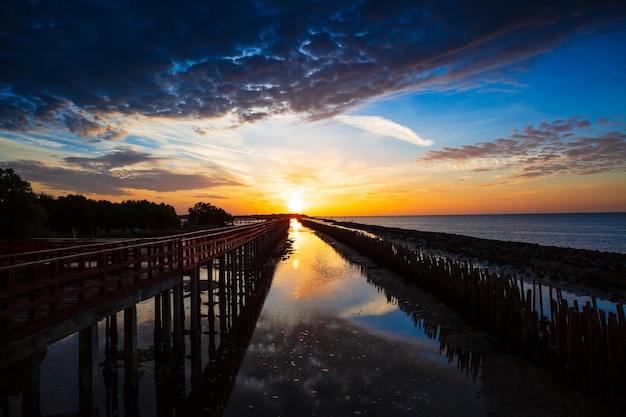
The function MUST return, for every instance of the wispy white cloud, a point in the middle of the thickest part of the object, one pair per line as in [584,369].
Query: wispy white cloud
[385,127]
[369,308]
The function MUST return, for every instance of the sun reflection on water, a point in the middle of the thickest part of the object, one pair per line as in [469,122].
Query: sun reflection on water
[294,225]
[327,338]
[316,274]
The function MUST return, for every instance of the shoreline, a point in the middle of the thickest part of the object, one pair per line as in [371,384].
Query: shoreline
[580,271]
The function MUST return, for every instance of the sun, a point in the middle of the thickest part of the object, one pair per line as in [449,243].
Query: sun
[295,204]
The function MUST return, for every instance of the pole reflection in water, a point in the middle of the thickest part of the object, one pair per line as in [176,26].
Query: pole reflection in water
[327,342]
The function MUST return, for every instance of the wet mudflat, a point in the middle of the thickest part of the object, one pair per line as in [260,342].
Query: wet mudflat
[330,343]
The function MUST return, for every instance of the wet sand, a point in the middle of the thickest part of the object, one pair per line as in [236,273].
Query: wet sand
[511,386]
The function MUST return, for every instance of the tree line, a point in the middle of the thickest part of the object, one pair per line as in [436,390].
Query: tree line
[24,213]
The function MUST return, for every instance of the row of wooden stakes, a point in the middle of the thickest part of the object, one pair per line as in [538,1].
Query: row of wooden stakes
[583,345]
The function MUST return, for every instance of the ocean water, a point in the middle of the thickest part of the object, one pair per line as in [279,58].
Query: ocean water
[596,231]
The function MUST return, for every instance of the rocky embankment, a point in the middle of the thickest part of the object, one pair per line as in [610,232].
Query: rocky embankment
[602,274]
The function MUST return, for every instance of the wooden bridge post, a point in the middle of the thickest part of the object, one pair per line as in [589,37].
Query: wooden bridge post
[257,252]
[31,398]
[111,334]
[254,265]
[232,287]
[195,359]
[195,299]
[179,320]
[158,334]
[88,370]
[110,377]
[220,279]
[234,284]
[243,258]
[210,295]
[222,293]
[245,286]
[166,300]
[131,361]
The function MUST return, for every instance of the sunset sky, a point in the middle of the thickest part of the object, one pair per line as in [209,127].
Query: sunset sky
[347,108]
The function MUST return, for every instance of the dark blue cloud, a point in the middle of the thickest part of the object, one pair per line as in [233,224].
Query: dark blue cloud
[72,63]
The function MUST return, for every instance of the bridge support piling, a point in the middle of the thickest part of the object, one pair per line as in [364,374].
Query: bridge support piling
[111,335]
[244,279]
[221,294]
[179,321]
[195,300]
[257,253]
[31,398]
[196,360]
[213,272]
[194,319]
[157,325]
[131,360]
[215,290]
[224,293]
[234,280]
[166,318]
[252,266]
[88,370]
[211,310]
[240,270]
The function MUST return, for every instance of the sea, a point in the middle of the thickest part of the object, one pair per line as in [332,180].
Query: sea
[604,232]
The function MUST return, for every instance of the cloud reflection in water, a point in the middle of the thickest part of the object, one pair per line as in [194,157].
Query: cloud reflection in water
[329,343]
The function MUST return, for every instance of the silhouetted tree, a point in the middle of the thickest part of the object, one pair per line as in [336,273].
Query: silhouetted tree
[106,215]
[74,213]
[151,215]
[49,203]
[164,216]
[89,217]
[25,214]
[208,214]
[20,216]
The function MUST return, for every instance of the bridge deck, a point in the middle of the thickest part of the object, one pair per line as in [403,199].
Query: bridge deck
[43,287]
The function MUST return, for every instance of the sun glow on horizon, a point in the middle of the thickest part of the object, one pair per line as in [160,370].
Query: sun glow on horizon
[295,204]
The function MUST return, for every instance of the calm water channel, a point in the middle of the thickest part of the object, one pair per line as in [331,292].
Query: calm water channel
[326,343]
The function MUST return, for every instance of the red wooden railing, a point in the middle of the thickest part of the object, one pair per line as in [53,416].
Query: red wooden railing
[44,287]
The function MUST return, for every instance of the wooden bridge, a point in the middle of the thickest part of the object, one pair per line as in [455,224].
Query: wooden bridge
[66,286]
